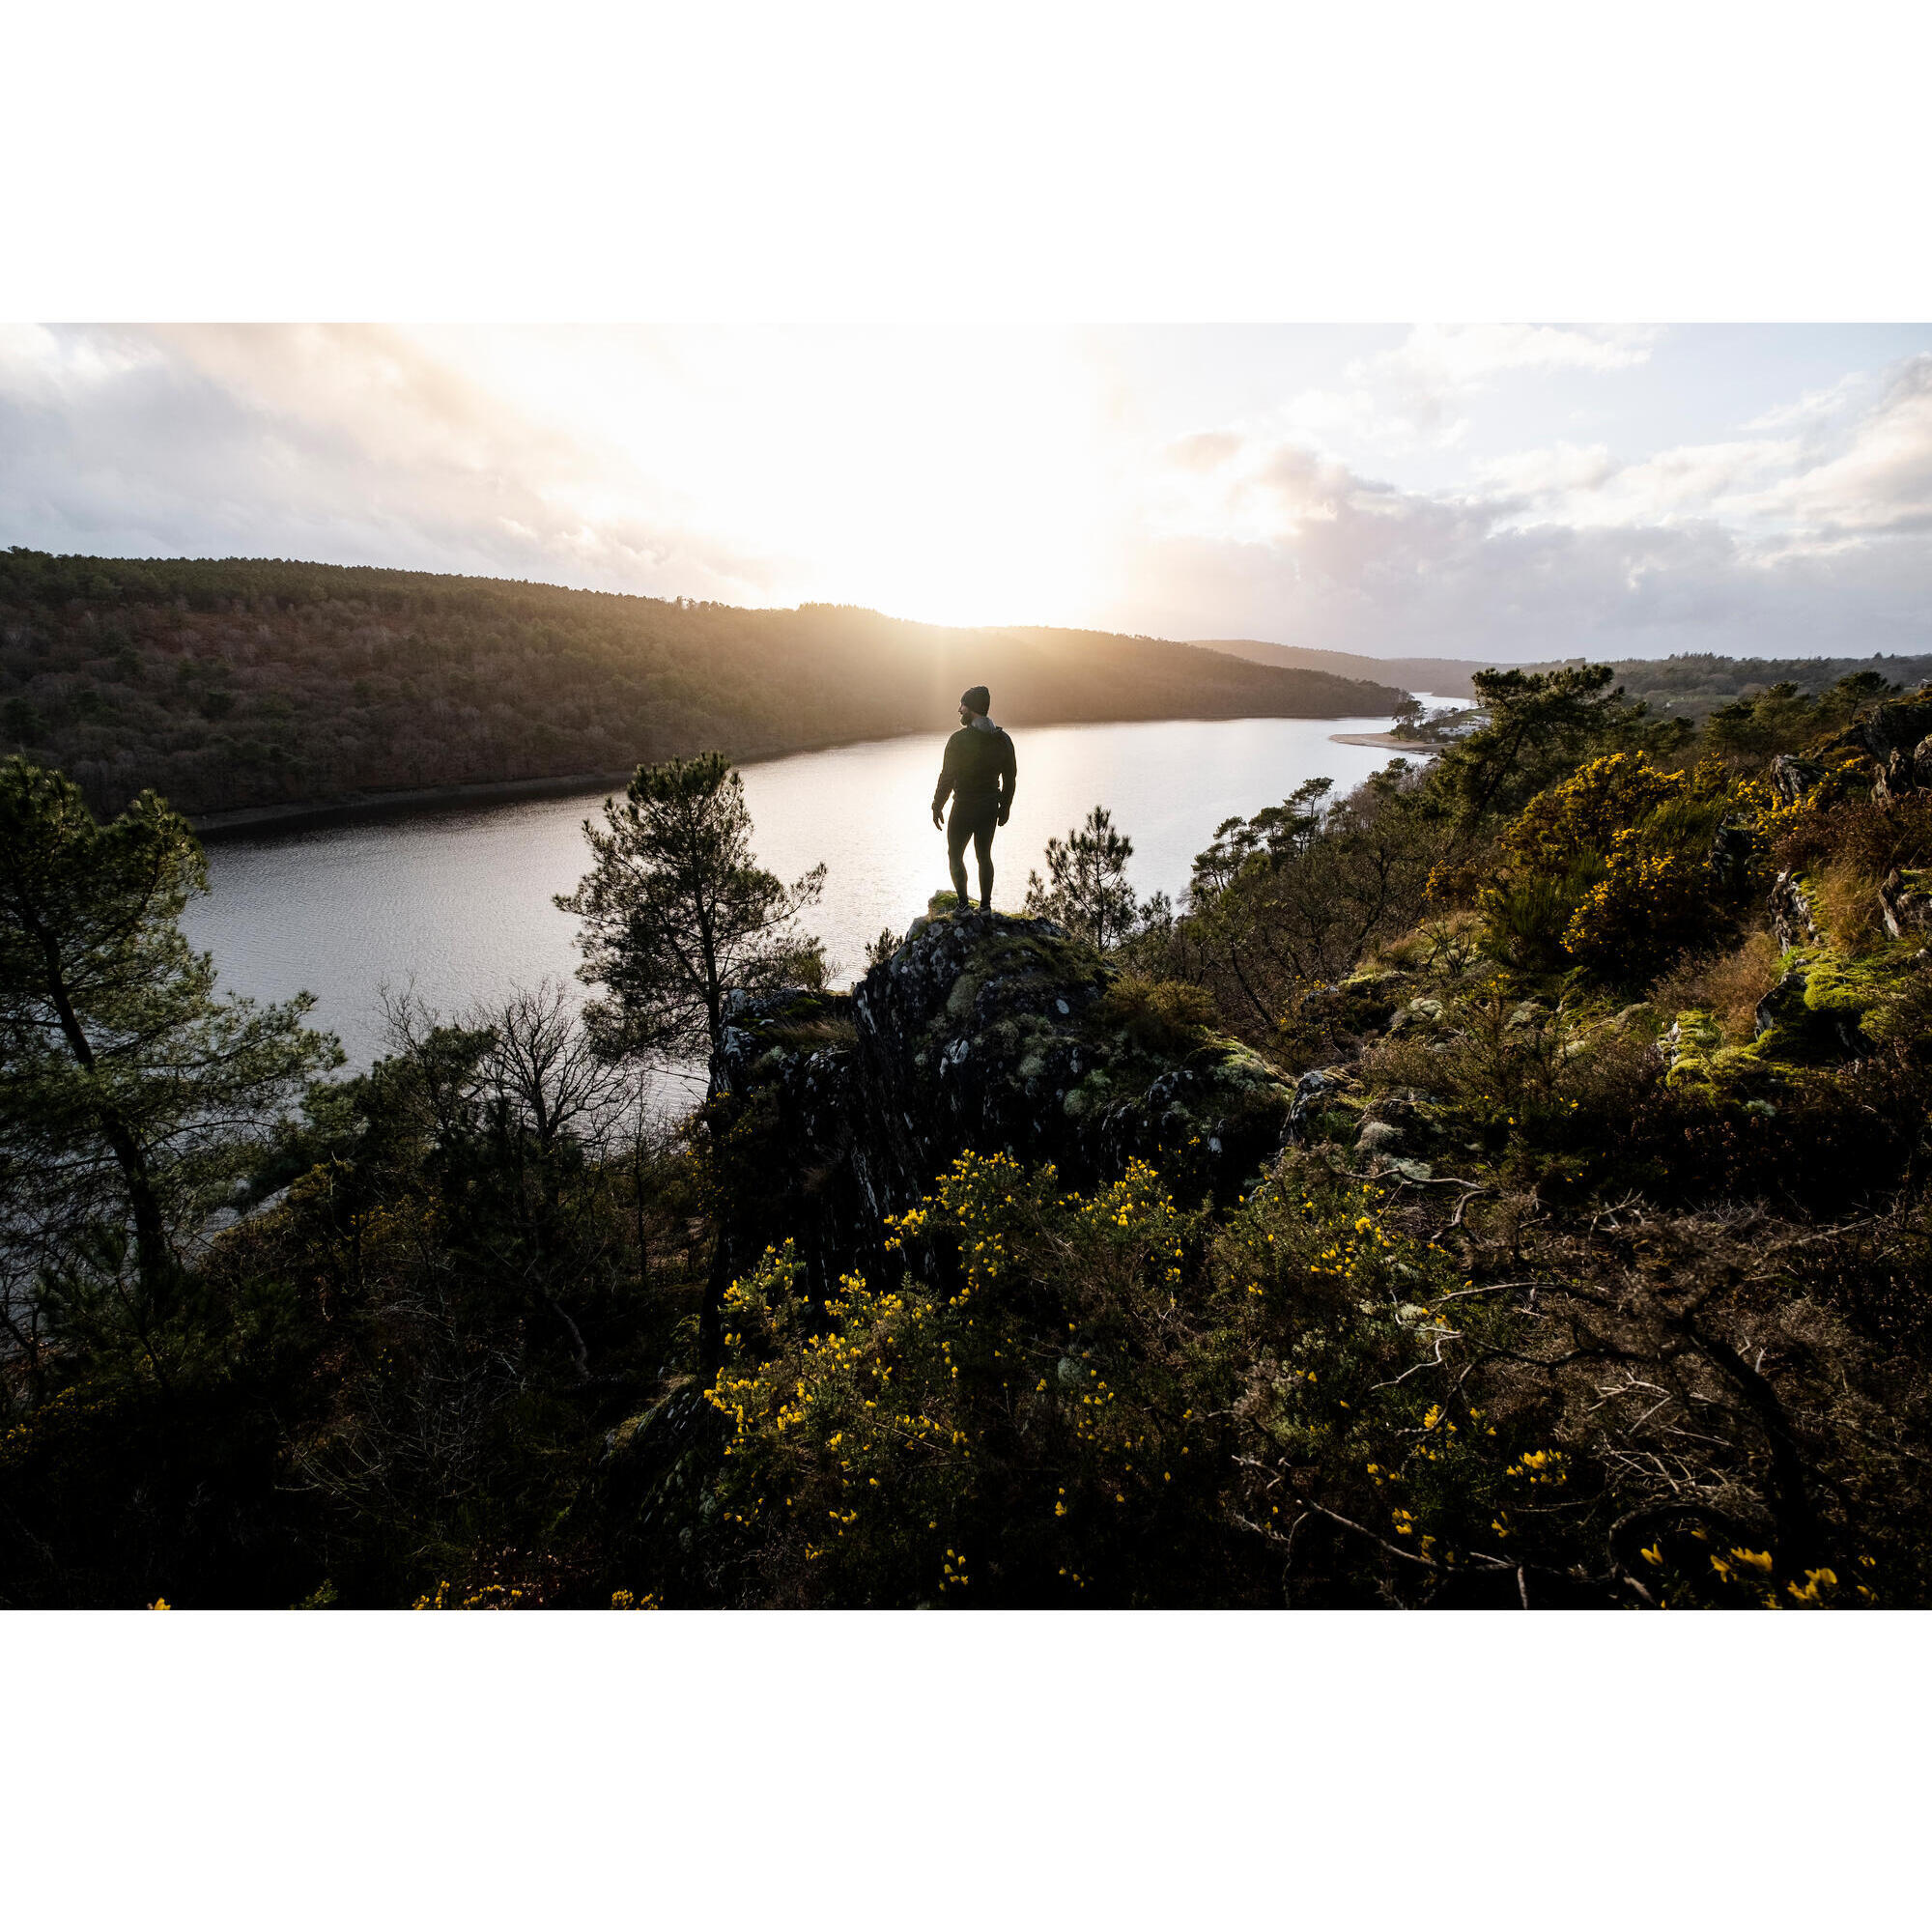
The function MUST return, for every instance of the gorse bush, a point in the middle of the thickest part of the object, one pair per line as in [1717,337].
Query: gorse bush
[1018,1420]
[1641,914]
[1610,871]
[1106,1400]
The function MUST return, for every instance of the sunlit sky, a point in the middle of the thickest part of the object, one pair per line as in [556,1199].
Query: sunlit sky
[1504,492]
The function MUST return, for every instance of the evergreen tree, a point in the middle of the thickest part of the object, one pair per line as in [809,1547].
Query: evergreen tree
[676,916]
[1541,724]
[131,1096]
[1088,892]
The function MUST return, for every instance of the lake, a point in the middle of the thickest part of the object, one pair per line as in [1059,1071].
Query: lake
[458,901]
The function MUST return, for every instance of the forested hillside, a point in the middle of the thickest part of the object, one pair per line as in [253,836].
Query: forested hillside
[1695,685]
[1442,677]
[247,683]
[1690,685]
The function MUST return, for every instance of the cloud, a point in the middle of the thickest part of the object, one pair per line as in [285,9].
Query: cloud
[1418,391]
[1815,406]
[1549,475]
[1879,478]
[1809,530]
[1838,470]
[1205,452]
[1817,540]
[348,444]
[1440,359]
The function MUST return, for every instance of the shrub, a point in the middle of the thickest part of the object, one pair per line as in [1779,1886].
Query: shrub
[1584,813]
[1018,1420]
[1645,910]
[1844,899]
[1159,1016]
[1868,837]
[1607,871]
[1727,985]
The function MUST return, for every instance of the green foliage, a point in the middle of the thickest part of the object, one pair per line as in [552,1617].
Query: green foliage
[1286,902]
[131,1096]
[1103,1400]
[1020,1423]
[1645,910]
[401,1376]
[1785,717]
[1695,685]
[1607,871]
[257,683]
[1541,724]
[1273,835]
[1086,889]
[1165,1016]
[676,917]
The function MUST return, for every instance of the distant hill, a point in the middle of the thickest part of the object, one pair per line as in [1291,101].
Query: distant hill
[1441,677]
[245,683]
[1690,685]
[1694,685]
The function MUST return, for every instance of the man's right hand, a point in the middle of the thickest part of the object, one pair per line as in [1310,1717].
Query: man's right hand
[938,823]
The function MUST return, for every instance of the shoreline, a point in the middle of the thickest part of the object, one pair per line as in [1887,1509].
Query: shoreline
[243,821]
[1384,740]
[247,818]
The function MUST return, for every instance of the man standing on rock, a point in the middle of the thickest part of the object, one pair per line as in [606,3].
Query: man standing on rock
[979,774]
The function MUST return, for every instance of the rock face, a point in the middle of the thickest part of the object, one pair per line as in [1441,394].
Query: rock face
[1791,913]
[1791,778]
[983,1032]
[1906,909]
[1897,736]
[1900,725]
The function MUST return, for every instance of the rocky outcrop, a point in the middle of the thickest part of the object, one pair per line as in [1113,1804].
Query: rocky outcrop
[1733,849]
[1790,779]
[983,1032]
[1791,917]
[1900,725]
[1897,736]
[1907,909]
[1782,1007]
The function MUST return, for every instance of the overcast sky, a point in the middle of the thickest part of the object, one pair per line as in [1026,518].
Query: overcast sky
[1503,492]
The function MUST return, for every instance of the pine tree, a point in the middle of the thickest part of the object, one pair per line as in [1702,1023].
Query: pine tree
[676,916]
[131,1096]
[1088,892]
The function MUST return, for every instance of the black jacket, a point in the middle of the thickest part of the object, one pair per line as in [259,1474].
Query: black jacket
[979,769]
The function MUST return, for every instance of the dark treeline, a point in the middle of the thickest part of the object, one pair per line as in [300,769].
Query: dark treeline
[1694,684]
[1689,684]
[244,683]
[1588,1261]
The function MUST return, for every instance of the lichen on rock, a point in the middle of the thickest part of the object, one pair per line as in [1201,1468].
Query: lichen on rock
[982,1031]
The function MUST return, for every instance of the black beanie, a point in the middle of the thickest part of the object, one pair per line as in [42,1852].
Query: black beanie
[978,699]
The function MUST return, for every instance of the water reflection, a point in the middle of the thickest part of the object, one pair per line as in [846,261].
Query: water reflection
[459,902]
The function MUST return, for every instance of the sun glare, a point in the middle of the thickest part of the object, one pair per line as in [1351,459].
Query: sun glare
[956,476]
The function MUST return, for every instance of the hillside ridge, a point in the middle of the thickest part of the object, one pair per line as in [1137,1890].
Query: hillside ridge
[247,684]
